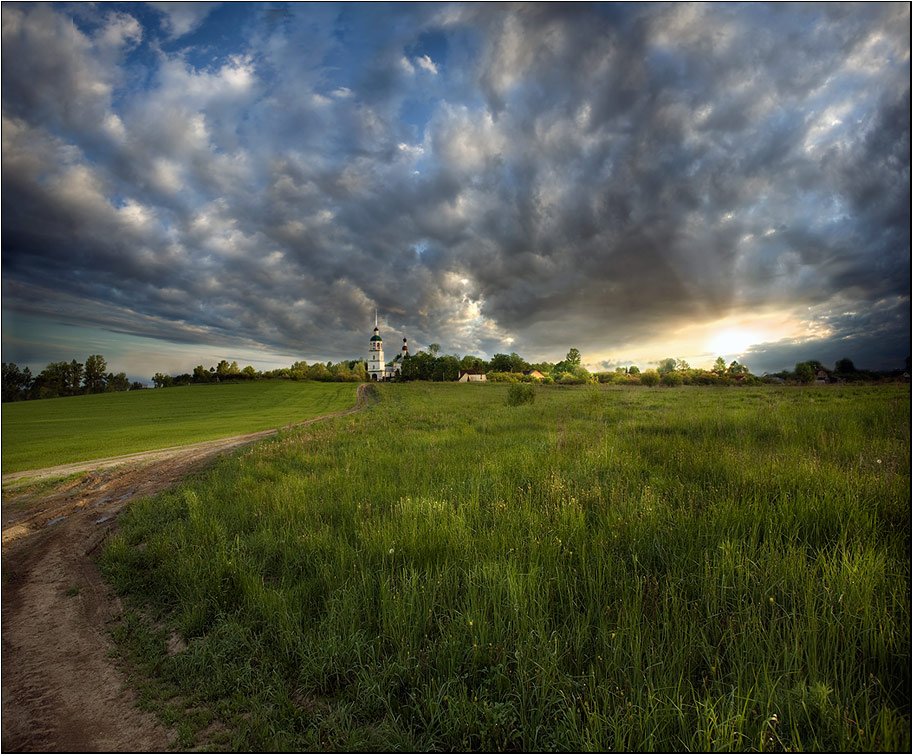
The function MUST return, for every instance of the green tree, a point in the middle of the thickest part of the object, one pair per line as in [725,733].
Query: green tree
[845,366]
[500,363]
[573,357]
[94,376]
[16,383]
[434,349]
[634,370]
[737,369]
[75,377]
[446,368]
[160,380]
[53,381]
[804,372]
[117,382]
[666,366]
[518,363]
[720,367]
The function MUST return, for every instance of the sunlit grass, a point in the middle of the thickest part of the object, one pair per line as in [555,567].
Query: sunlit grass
[72,429]
[603,569]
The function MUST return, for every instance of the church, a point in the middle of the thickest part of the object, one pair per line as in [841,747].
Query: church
[377,370]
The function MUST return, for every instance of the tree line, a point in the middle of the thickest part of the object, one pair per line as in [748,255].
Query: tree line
[92,377]
[63,379]
[348,370]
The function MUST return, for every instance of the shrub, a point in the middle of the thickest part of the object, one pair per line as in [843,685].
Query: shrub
[570,379]
[650,378]
[671,379]
[521,393]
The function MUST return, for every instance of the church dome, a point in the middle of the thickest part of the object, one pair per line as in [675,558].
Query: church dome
[376,338]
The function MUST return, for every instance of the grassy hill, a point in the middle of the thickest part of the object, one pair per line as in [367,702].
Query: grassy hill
[624,569]
[56,431]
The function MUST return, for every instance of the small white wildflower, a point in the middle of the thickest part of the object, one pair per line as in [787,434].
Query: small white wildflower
[391,550]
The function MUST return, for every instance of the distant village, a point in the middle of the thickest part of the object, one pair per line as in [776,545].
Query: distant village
[73,378]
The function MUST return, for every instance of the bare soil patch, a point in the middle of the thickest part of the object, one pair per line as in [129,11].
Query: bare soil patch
[61,688]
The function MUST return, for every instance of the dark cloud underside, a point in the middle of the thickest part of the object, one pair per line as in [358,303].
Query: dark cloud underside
[489,179]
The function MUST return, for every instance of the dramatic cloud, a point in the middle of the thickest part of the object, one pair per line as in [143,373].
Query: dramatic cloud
[639,181]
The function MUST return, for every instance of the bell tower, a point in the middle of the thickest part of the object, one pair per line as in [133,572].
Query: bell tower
[376,354]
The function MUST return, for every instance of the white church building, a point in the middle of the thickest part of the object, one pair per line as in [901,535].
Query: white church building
[377,370]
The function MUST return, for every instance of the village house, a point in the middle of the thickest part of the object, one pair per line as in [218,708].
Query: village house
[471,376]
[535,374]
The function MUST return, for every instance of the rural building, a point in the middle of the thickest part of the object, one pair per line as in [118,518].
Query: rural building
[535,374]
[377,370]
[470,376]
[821,376]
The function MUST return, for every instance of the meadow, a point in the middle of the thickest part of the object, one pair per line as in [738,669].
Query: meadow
[606,568]
[72,429]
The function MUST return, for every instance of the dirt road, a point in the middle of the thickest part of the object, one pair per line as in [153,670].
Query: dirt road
[60,689]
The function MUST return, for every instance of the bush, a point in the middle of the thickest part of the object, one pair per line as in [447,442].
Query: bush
[650,378]
[521,393]
[497,377]
[570,379]
[671,379]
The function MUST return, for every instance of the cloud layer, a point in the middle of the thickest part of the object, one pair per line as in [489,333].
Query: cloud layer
[490,180]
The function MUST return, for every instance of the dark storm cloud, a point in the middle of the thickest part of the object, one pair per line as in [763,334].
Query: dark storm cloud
[557,175]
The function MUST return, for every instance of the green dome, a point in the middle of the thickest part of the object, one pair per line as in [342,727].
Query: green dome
[376,338]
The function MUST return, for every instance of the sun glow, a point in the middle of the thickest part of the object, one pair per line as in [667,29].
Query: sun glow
[733,341]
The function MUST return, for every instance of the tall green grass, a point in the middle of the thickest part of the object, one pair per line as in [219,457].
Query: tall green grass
[603,569]
[72,429]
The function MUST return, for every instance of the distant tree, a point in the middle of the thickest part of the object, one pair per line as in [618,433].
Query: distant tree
[471,362]
[518,363]
[249,373]
[671,378]
[500,363]
[434,349]
[634,370]
[666,366]
[117,382]
[75,378]
[417,367]
[573,357]
[160,380]
[844,365]
[446,368]
[720,366]
[201,375]
[94,377]
[737,369]
[804,372]
[682,365]
[16,383]
[53,381]
[136,386]
[318,372]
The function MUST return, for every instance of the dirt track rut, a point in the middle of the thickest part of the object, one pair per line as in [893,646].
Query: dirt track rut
[60,689]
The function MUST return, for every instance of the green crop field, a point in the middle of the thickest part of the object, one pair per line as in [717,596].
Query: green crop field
[603,569]
[56,431]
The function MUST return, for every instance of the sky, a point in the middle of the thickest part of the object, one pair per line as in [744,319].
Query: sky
[189,182]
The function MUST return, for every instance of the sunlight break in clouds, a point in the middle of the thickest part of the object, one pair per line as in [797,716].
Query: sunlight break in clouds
[646,180]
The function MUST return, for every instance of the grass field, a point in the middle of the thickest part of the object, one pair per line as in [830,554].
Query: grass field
[56,431]
[604,569]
